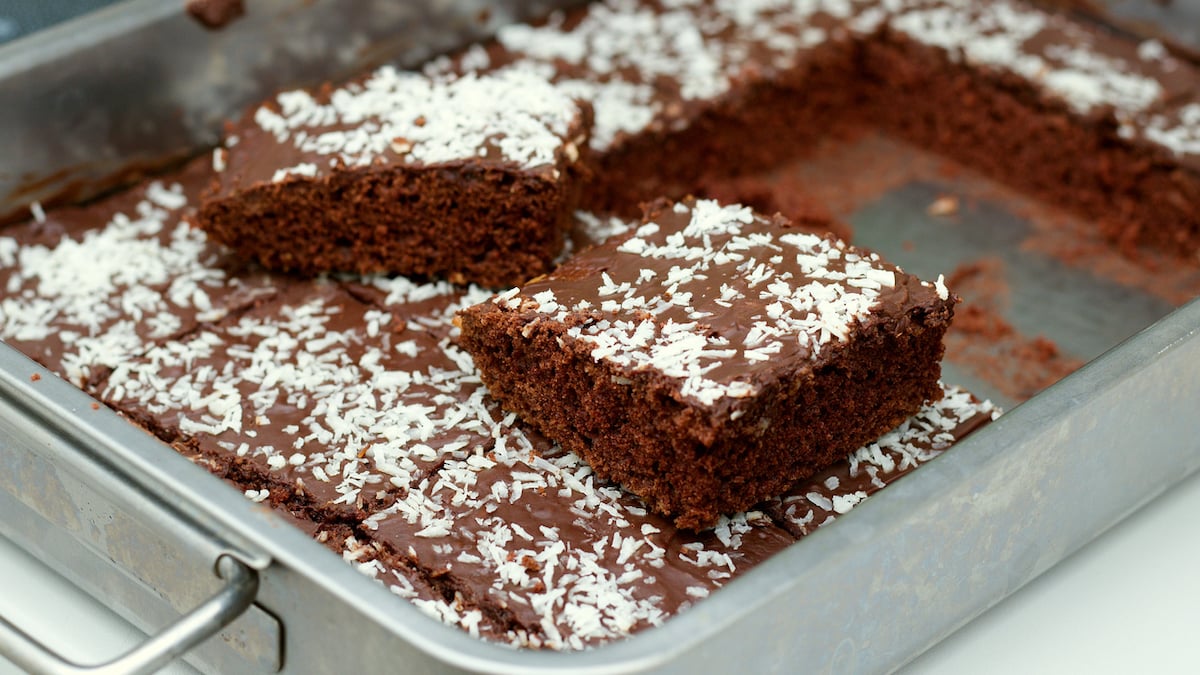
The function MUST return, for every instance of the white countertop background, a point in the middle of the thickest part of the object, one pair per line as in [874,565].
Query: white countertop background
[1129,602]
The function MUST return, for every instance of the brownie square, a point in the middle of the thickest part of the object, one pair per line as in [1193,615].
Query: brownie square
[714,357]
[473,179]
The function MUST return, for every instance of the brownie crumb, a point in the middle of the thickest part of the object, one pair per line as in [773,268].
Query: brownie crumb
[215,14]
[990,347]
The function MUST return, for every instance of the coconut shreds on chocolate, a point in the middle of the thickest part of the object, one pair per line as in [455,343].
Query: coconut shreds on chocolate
[1177,129]
[592,230]
[471,178]
[814,290]
[407,117]
[580,562]
[619,53]
[81,299]
[322,390]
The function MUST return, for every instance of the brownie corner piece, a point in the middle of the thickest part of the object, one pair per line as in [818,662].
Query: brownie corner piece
[471,178]
[713,357]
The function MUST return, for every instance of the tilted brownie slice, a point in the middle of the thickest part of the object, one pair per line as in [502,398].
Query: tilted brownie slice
[714,357]
[472,178]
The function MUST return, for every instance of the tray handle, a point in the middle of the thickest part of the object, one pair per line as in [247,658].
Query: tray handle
[241,586]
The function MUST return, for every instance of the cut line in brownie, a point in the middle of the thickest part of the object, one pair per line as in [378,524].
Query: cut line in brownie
[472,179]
[714,357]
[349,404]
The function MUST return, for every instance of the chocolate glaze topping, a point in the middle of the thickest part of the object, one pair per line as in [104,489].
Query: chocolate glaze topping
[757,295]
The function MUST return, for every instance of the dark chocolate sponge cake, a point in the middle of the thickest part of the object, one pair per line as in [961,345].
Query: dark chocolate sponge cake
[713,358]
[473,179]
[1070,111]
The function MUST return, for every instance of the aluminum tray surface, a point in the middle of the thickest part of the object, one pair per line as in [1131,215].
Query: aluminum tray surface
[133,523]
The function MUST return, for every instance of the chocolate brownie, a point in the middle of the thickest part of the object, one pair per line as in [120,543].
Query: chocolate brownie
[685,90]
[318,391]
[714,357]
[348,407]
[1070,111]
[1066,111]
[471,178]
[475,538]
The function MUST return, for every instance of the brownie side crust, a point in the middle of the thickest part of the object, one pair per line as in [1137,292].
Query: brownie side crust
[1065,110]
[697,387]
[506,226]
[448,184]
[999,123]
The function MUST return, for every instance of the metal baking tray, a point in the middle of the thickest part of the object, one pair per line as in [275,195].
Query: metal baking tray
[155,537]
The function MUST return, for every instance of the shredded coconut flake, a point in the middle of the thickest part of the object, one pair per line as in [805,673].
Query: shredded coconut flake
[410,117]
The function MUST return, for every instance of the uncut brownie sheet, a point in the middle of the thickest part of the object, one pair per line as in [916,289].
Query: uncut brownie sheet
[713,357]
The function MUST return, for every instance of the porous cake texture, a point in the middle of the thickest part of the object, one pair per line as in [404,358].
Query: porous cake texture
[1069,110]
[470,178]
[714,357]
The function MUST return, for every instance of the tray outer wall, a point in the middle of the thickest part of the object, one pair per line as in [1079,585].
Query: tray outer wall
[139,527]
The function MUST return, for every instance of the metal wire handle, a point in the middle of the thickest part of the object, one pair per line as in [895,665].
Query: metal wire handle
[241,586]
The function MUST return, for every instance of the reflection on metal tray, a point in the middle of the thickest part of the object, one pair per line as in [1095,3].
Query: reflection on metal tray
[135,524]
[1178,21]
